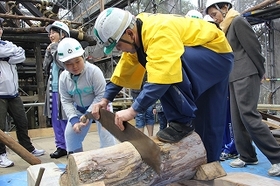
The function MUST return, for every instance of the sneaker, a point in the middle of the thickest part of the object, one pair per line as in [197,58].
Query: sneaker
[226,156]
[238,163]
[274,170]
[175,132]
[37,152]
[5,162]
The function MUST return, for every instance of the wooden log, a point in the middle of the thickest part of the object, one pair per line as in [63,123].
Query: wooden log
[9,16]
[210,171]
[17,148]
[122,164]
[259,6]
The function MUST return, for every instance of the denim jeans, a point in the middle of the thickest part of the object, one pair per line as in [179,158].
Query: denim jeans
[146,118]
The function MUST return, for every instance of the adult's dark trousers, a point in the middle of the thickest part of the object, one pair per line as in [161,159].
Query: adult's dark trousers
[202,96]
[247,121]
[15,108]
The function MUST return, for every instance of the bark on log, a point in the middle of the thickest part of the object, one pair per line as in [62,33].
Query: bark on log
[17,148]
[122,164]
[260,6]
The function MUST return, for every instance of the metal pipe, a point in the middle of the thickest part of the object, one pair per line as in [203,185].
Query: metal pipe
[33,104]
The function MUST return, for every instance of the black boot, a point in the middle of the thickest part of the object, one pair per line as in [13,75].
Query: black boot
[58,153]
[175,132]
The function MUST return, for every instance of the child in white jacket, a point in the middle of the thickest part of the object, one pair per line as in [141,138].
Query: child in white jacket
[81,85]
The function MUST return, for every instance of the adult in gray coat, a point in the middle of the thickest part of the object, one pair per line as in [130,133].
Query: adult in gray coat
[244,85]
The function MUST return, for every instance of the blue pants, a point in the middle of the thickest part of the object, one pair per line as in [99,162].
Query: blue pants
[146,118]
[74,140]
[162,120]
[202,96]
[58,125]
[228,143]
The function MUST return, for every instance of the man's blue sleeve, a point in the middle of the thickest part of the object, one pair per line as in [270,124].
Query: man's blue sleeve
[111,91]
[148,96]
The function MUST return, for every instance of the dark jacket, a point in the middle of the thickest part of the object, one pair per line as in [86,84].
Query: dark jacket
[248,59]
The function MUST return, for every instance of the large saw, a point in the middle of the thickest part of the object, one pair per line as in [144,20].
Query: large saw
[147,148]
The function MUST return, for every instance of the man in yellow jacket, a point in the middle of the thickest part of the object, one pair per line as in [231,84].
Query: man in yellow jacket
[187,61]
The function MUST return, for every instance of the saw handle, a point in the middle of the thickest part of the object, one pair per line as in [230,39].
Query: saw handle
[83,118]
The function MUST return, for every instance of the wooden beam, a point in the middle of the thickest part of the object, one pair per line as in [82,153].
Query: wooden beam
[32,18]
[40,83]
[33,1]
[29,98]
[17,148]
[32,9]
[268,107]
[260,5]
[271,125]
[265,116]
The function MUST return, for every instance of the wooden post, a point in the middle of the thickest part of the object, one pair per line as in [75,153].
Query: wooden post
[40,84]
[101,5]
[17,148]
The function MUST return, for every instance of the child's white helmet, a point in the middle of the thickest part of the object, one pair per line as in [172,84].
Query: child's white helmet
[69,48]
[60,25]
[194,14]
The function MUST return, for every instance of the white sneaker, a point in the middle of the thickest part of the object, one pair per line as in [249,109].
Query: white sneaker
[37,152]
[4,161]
[274,170]
[238,163]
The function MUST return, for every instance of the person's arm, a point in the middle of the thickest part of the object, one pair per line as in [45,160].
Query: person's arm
[16,54]
[48,58]
[99,83]
[148,96]
[66,100]
[111,91]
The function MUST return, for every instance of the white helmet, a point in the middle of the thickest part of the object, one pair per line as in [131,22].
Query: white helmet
[208,18]
[60,25]
[194,14]
[69,48]
[110,26]
[212,2]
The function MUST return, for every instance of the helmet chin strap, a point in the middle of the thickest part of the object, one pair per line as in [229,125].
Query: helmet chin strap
[223,13]
[60,35]
[135,46]
[127,42]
